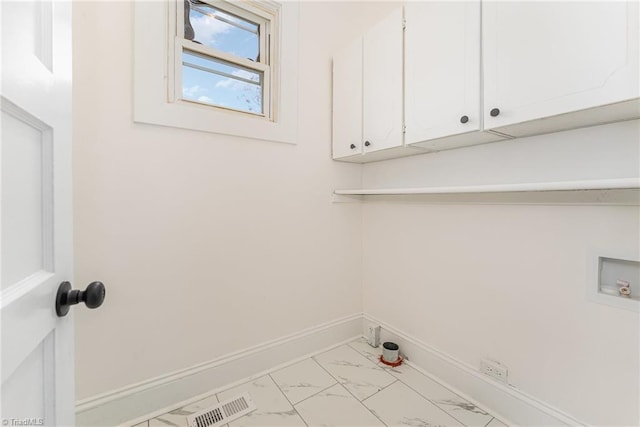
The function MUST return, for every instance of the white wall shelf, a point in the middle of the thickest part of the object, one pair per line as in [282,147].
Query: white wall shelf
[597,184]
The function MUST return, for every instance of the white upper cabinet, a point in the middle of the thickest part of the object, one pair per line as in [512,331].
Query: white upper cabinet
[347,101]
[368,96]
[559,61]
[442,74]
[466,73]
[382,84]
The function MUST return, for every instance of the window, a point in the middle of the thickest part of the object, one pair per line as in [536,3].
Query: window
[223,56]
[228,67]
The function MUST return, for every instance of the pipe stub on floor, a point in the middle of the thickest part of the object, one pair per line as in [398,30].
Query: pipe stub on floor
[390,352]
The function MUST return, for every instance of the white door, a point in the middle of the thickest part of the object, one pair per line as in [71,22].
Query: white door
[347,101]
[543,59]
[382,87]
[36,242]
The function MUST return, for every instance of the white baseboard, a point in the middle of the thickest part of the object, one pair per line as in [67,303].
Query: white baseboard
[509,404]
[138,402]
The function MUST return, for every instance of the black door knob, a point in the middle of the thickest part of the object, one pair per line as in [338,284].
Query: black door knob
[494,112]
[367,143]
[352,146]
[464,119]
[93,297]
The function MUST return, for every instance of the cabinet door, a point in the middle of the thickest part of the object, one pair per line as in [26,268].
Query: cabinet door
[442,69]
[347,101]
[543,59]
[382,90]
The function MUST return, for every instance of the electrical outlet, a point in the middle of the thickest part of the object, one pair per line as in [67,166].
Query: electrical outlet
[494,369]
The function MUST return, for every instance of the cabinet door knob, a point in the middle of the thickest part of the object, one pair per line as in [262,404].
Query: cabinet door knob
[494,112]
[352,146]
[367,143]
[464,119]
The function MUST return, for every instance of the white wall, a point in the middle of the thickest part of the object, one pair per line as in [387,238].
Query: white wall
[207,244]
[509,281]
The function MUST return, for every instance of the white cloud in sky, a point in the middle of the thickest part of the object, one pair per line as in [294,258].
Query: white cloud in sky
[192,91]
[235,84]
[207,28]
[205,98]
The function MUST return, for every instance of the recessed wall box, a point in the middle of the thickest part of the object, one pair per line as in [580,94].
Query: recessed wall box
[618,282]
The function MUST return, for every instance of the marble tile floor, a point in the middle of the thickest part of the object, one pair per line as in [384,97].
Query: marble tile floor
[346,386]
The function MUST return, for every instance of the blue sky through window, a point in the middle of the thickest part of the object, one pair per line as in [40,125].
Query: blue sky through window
[218,87]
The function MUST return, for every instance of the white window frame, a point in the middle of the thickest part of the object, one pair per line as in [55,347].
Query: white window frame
[266,16]
[157,68]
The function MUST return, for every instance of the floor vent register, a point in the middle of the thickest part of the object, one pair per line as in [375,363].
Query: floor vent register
[222,413]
